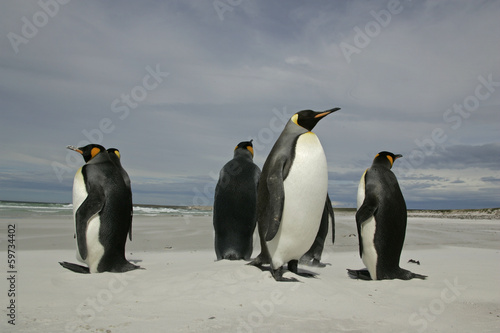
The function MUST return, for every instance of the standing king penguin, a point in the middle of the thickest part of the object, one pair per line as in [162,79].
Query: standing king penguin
[102,206]
[115,156]
[381,222]
[291,194]
[235,201]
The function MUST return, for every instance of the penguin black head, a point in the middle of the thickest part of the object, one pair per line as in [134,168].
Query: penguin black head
[89,151]
[308,118]
[246,145]
[114,151]
[387,158]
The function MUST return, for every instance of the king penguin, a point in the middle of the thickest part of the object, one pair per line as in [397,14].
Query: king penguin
[235,200]
[101,206]
[291,194]
[381,222]
[115,156]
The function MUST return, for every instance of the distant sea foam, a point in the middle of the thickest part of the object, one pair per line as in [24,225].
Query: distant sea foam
[35,209]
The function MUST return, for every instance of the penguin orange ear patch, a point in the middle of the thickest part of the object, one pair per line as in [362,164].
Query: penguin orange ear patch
[390,159]
[94,152]
[250,149]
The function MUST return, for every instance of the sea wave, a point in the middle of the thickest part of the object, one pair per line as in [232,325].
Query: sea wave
[19,209]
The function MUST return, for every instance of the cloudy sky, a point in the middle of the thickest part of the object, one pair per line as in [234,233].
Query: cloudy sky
[175,85]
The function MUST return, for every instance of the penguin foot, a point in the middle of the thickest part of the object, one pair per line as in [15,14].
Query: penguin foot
[259,261]
[278,276]
[313,262]
[361,274]
[293,267]
[75,268]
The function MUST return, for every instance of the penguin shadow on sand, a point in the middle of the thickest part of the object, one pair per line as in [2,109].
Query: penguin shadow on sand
[102,209]
[293,207]
[381,219]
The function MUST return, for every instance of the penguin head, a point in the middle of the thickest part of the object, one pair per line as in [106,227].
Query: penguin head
[246,145]
[89,151]
[114,151]
[308,118]
[386,158]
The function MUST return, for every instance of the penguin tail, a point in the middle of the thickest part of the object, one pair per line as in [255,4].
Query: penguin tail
[125,267]
[232,255]
[75,268]
[418,276]
[404,274]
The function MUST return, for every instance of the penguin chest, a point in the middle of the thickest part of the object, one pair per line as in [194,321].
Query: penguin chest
[305,191]
[369,255]
[95,249]
[79,191]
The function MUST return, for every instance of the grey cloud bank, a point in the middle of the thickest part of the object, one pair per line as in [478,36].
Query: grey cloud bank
[176,85]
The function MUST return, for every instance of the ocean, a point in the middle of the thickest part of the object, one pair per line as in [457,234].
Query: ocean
[12,209]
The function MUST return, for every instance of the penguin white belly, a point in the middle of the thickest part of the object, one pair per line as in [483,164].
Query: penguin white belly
[305,192]
[369,255]
[79,196]
[95,250]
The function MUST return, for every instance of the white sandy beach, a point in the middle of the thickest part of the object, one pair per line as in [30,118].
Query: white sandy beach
[183,289]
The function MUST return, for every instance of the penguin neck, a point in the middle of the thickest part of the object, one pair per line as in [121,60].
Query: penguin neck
[295,129]
[242,154]
[382,163]
[99,158]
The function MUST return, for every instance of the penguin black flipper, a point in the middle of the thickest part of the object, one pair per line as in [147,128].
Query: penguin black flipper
[277,200]
[92,205]
[331,215]
[75,268]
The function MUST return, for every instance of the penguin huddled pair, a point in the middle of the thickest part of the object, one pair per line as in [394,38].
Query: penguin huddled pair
[102,209]
[381,222]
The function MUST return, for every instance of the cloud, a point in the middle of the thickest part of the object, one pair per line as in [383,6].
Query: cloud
[485,156]
[226,78]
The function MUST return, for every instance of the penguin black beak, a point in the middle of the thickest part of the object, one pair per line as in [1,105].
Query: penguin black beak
[397,156]
[325,113]
[75,149]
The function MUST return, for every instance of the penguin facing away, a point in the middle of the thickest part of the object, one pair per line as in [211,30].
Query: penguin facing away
[115,156]
[381,222]
[102,208]
[235,200]
[291,194]
[313,256]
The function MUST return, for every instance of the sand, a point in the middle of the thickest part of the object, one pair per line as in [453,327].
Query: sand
[183,288]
